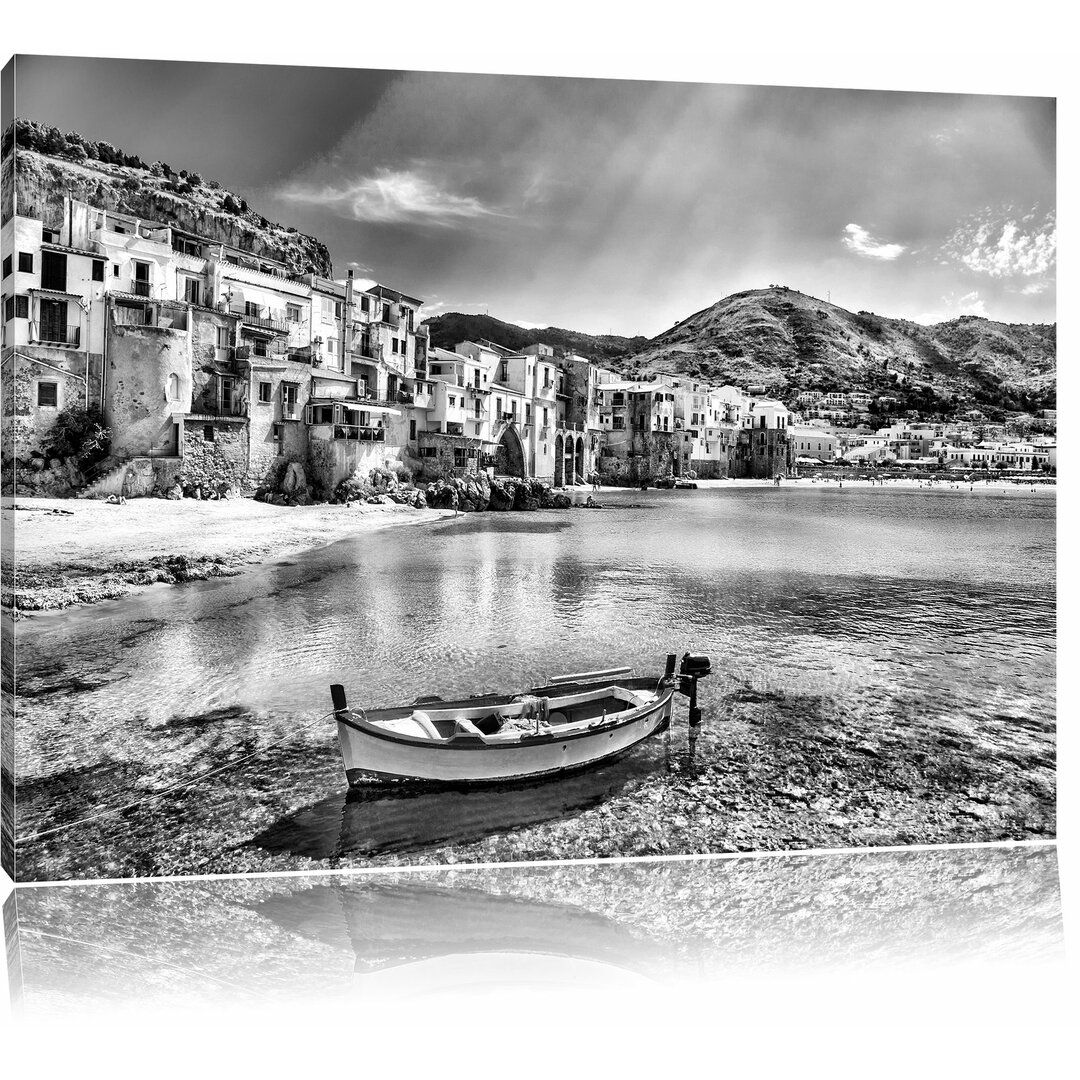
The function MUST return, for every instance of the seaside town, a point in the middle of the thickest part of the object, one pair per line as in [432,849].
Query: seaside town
[212,368]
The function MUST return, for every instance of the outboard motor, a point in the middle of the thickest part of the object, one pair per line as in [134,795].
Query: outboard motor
[694,666]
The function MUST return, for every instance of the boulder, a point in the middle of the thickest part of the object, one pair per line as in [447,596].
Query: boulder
[294,480]
[502,495]
[561,502]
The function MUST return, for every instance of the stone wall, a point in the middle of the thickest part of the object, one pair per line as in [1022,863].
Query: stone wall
[25,423]
[219,460]
[647,456]
[441,463]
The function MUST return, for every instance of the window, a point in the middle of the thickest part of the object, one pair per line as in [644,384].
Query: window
[504,371]
[545,418]
[618,423]
[252,310]
[191,290]
[97,270]
[279,435]
[7,266]
[26,262]
[386,313]
[294,313]
[289,394]
[459,457]
[49,236]
[224,337]
[393,345]
[428,451]
[477,403]
[208,432]
[172,390]
[225,400]
[116,270]
[528,411]
[140,285]
[47,394]
[365,304]
[327,309]
[16,307]
[412,431]
[266,393]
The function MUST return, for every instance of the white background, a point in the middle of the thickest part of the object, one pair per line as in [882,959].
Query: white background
[906,1022]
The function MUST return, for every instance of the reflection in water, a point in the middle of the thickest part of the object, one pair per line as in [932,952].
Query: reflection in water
[71,949]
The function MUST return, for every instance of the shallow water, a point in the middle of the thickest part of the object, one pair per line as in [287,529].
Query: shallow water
[932,608]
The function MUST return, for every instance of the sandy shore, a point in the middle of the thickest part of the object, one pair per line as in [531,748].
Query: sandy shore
[83,551]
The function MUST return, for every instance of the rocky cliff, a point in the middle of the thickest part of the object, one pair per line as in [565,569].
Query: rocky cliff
[205,208]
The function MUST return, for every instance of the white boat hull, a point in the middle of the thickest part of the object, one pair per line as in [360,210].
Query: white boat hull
[371,751]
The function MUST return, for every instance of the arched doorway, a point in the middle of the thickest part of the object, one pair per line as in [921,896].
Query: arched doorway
[579,460]
[560,471]
[510,454]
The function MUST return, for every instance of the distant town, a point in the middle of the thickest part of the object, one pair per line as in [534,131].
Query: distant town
[196,365]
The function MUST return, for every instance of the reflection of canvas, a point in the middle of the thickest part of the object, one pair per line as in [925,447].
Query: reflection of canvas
[784,397]
[667,924]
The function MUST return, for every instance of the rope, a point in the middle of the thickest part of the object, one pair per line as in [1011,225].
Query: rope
[166,791]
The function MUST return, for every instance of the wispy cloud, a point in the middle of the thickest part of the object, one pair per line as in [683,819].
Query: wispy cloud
[1005,243]
[971,304]
[394,197]
[857,239]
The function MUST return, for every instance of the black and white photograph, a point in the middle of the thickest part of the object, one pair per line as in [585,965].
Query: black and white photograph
[417,468]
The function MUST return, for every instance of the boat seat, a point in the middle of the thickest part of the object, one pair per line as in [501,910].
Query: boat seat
[424,721]
[466,727]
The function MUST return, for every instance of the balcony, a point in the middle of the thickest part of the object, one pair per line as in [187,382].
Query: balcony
[510,417]
[140,287]
[59,335]
[359,433]
[257,322]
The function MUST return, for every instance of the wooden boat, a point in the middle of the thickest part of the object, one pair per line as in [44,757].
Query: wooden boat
[574,721]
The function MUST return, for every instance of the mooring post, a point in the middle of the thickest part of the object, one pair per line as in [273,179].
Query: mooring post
[337,696]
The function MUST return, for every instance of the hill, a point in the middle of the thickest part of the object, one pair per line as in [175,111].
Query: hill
[47,165]
[790,342]
[447,330]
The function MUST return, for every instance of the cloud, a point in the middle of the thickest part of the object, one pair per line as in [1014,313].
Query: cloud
[1005,243]
[394,197]
[857,239]
[1035,288]
[970,304]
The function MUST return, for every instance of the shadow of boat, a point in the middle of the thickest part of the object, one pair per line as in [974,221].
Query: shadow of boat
[403,817]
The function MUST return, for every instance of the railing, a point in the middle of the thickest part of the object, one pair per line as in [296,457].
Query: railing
[279,326]
[512,417]
[140,287]
[290,412]
[358,433]
[59,335]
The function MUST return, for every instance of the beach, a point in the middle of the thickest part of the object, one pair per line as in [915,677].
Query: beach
[82,551]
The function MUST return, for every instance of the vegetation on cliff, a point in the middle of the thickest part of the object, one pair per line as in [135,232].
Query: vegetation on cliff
[447,330]
[49,164]
[789,342]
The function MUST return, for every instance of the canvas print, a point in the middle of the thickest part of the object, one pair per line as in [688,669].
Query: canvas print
[404,467]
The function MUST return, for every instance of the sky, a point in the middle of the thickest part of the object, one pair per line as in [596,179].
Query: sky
[605,206]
